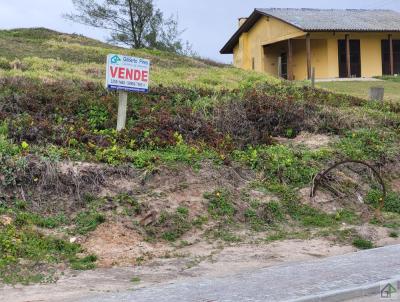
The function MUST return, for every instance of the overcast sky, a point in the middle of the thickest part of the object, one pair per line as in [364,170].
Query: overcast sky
[208,23]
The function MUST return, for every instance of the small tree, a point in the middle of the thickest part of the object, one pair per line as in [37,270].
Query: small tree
[134,23]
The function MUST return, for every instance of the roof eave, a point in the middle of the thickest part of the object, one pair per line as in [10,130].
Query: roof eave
[257,13]
[229,46]
[251,20]
[352,30]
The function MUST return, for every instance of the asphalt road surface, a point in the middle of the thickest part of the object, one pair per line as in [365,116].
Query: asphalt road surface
[332,279]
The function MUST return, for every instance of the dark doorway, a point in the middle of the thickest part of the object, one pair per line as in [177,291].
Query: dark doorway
[386,57]
[355,58]
[284,73]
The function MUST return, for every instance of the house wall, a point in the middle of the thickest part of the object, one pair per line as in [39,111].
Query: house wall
[265,31]
[268,39]
[319,50]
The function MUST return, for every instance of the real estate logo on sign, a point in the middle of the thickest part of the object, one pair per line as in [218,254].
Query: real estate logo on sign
[127,73]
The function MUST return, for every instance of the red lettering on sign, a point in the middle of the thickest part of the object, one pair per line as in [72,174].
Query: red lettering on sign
[121,73]
[129,74]
[113,71]
[137,75]
[145,76]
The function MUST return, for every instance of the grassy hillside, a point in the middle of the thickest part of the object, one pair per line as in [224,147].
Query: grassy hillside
[52,55]
[212,153]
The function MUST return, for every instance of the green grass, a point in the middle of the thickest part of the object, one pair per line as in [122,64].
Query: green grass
[363,244]
[361,88]
[85,263]
[135,280]
[369,144]
[220,204]
[27,256]
[280,235]
[225,235]
[391,203]
[170,225]
[87,221]
[50,55]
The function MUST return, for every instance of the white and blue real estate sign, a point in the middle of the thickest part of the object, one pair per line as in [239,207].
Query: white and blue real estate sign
[127,73]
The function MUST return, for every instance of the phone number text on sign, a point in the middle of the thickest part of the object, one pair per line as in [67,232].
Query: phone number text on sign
[127,73]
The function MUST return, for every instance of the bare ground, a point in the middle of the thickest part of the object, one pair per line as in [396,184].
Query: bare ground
[201,260]
[125,257]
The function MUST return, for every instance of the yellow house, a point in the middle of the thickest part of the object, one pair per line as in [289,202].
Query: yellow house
[290,43]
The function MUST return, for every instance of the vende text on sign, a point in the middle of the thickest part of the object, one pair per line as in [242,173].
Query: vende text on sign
[127,73]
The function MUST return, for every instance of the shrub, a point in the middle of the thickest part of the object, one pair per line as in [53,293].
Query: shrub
[98,117]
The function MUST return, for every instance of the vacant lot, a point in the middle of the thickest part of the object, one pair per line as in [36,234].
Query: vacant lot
[215,165]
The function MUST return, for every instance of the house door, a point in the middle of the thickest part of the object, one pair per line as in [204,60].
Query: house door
[386,57]
[283,67]
[355,58]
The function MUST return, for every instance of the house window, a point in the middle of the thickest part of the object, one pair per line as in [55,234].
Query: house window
[253,63]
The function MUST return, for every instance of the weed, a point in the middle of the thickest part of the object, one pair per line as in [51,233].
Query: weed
[272,212]
[171,226]
[4,63]
[51,222]
[394,234]
[369,144]
[277,236]
[86,263]
[312,217]
[97,117]
[282,164]
[285,235]
[225,235]
[17,243]
[391,202]
[88,221]
[362,243]
[199,221]
[219,204]
[261,215]
[347,216]
[135,279]
[131,205]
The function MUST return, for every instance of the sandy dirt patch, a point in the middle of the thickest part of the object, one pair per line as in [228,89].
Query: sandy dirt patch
[211,261]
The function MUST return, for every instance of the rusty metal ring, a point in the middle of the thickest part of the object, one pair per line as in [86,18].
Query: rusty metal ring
[317,177]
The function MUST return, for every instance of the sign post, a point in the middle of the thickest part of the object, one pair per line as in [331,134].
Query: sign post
[126,74]
[122,109]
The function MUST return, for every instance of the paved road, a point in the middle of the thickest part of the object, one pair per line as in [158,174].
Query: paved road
[288,282]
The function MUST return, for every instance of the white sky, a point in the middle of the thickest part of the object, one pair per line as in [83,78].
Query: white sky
[208,23]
